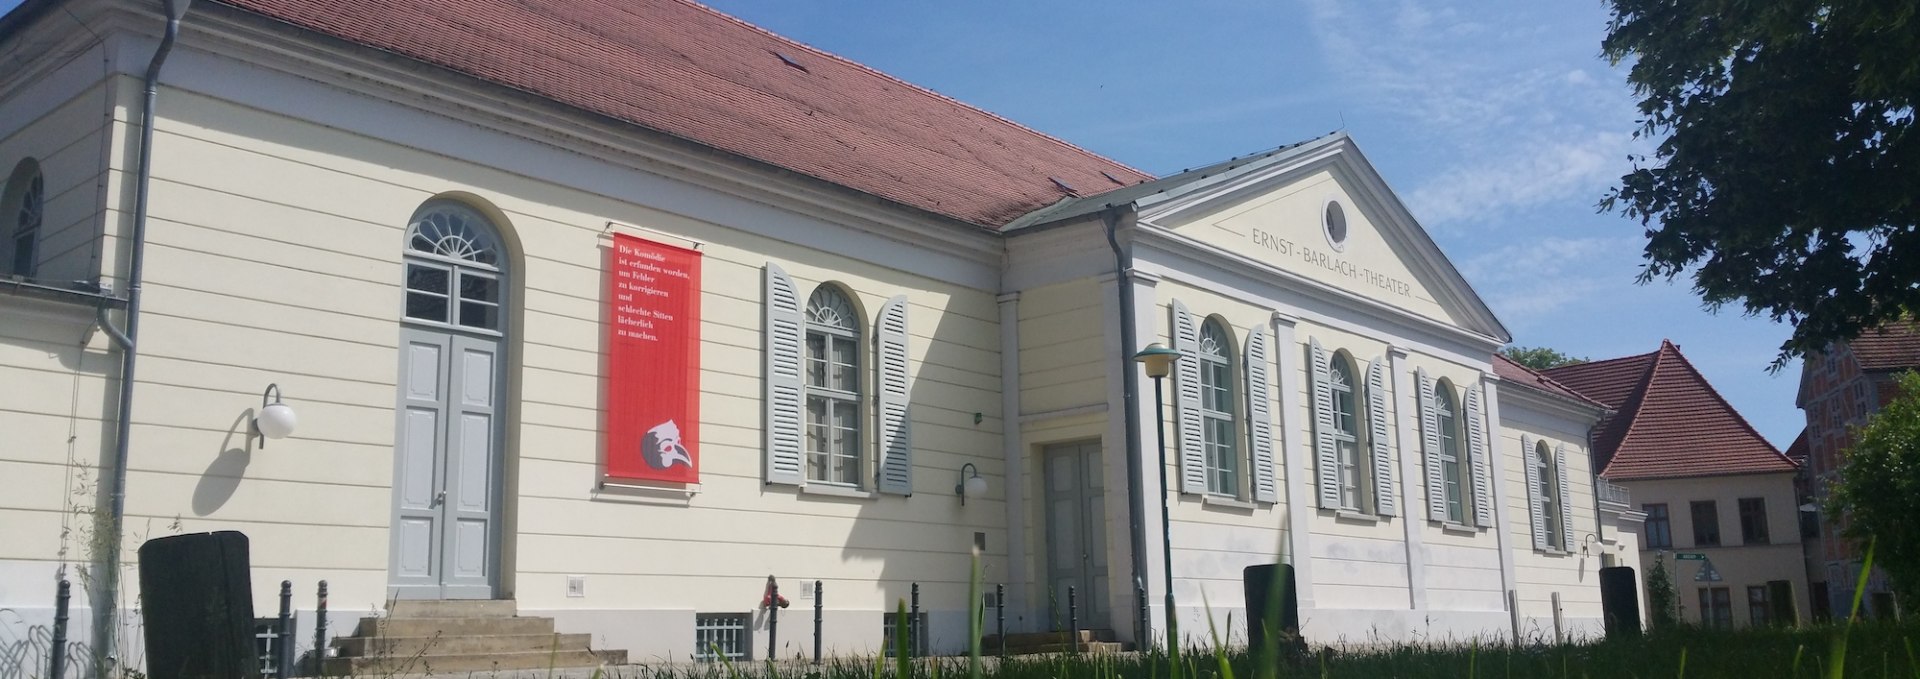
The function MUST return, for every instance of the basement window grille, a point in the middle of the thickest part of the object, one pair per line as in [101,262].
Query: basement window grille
[720,635]
[916,641]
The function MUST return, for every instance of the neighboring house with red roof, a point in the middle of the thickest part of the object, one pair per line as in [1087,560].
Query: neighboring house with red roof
[1839,390]
[1708,482]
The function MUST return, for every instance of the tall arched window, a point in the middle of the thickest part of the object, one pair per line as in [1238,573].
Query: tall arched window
[1216,409]
[833,387]
[1549,494]
[1354,464]
[1453,470]
[453,268]
[25,200]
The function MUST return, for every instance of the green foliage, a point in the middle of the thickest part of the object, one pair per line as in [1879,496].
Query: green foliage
[1783,179]
[1878,489]
[1540,358]
[1662,602]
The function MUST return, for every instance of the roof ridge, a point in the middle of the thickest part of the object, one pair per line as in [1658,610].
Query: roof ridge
[1715,393]
[1631,409]
[1616,359]
[917,88]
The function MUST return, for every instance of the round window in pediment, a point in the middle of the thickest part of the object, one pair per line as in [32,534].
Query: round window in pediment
[1335,223]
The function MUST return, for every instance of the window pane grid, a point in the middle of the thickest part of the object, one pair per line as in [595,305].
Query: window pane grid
[1450,467]
[834,442]
[1353,464]
[1217,412]
[1549,494]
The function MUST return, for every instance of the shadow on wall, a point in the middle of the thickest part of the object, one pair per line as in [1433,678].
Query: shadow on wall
[25,650]
[223,475]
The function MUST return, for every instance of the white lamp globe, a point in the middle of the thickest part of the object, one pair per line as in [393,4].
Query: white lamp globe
[276,421]
[976,486]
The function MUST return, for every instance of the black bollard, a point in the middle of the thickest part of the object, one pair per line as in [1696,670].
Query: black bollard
[1073,617]
[1000,616]
[283,637]
[818,607]
[57,662]
[773,617]
[1140,597]
[320,632]
[913,624]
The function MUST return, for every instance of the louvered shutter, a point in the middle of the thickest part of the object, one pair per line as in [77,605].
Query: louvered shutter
[1566,497]
[1193,453]
[1260,416]
[1430,442]
[785,336]
[1326,458]
[1536,507]
[1384,501]
[1477,450]
[896,442]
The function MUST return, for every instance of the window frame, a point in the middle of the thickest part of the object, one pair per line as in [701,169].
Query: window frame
[1458,493]
[1719,607]
[1700,539]
[741,627]
[23,211]
[456,271]
[1665,521]
[1350,446]
[1549,491]
[831,398]
[1759,612]
[1753,520]
[1219,428]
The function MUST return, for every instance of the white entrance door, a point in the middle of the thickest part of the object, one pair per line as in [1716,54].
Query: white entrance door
[1076,535]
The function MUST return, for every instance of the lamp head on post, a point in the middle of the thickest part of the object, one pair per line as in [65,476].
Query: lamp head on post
[276,420]
[970,483]
[1158,359]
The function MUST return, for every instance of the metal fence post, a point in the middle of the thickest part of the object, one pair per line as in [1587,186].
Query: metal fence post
[1073,617]
[913,625]
[320,632]
[283,633]
[999,617]
[817,610]
[57,662]
[773,617]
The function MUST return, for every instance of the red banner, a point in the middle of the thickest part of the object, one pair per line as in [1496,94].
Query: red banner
[653,362]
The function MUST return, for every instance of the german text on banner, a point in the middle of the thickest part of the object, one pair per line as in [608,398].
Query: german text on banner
[653,359]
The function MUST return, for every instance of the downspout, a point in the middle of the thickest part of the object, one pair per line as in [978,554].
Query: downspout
[107,630]
[1136,495]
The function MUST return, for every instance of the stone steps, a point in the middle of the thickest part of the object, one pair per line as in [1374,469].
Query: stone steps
[425,637]
[1030,643]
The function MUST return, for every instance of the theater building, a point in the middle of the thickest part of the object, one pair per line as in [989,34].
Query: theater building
[612,311]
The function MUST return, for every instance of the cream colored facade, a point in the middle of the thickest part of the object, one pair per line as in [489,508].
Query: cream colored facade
[285,173]
[1741,566]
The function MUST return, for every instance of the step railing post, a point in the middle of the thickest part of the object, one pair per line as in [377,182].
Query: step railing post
[1000,616]
[57,653]
[320,632]
[818,610]
[1073,617]
[913,625]
[283,633]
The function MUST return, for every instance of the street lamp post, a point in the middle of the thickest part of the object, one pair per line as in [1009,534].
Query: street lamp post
[1158,360]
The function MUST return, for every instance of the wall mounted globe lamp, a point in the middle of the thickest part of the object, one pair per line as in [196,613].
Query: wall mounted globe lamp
[970,483]
[276,420]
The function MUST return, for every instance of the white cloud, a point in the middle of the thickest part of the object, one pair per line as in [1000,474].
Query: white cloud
[1528,173]
[1540,276]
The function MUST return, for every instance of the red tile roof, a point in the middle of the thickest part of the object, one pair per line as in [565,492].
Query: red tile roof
[1512,372]
[1798,450]
[1893,347]
[1671,423]
[686,70]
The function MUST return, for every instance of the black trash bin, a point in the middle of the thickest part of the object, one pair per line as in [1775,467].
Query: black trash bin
[1620,601]
[1264,583]
[196,599]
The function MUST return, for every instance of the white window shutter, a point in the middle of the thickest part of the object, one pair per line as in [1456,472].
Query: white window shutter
[785,332]
[1536,505]
[1260,416]
[1477,449]
[1326,459]
[1193,454]
[896,442]
[1377,431]
[1566,497]
[1430,442]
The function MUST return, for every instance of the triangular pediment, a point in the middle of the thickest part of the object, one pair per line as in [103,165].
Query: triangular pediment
[1318,210]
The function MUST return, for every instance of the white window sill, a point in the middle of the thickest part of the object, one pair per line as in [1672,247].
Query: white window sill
[1227,502]
[1550,551]
[1457,529]
[830,490]
[1355,516]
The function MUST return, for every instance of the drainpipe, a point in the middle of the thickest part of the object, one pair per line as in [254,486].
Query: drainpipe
[107,627]
[1136,495]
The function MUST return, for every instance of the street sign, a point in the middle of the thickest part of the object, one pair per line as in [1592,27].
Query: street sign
[1707,573]
[1689,556]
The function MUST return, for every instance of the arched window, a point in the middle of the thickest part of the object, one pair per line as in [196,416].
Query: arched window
[25,200]
[833,387]
[1354,465]
[453,268]
[1453,469]
[1549,494]
[1216,409]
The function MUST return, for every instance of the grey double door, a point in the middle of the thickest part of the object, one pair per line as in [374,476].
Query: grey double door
[1076,534]
[447,466]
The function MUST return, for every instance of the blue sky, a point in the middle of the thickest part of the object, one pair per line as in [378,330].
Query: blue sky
[1496,121]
